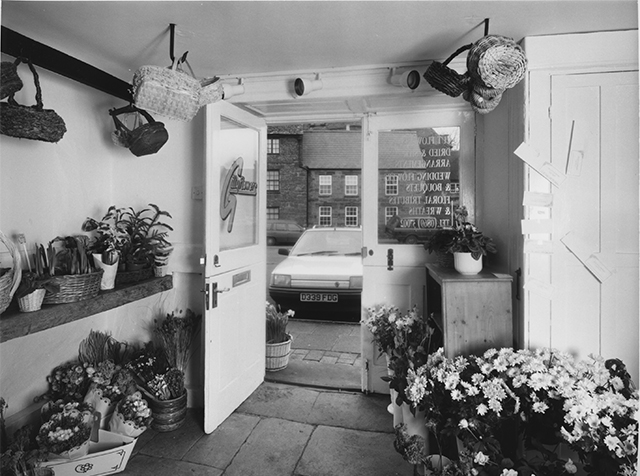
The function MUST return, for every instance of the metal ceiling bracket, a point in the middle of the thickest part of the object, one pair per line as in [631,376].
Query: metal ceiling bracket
[486,26]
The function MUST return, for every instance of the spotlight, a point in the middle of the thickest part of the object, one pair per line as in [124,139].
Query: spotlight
[408,79]
[302,87]
[229,90]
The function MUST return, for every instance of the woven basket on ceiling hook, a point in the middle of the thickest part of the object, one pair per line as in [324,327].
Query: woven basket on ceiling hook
[445,79]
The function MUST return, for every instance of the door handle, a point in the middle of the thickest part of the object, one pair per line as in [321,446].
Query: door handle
[214,294]
[390,259]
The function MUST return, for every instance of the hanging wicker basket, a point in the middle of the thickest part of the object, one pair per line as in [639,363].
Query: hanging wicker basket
[10,280]
[497,62]
[445,79]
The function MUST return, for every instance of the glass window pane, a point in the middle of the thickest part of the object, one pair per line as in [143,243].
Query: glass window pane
[239,186]
[419,172]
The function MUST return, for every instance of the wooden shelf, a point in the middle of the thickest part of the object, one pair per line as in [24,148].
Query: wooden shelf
[14,324]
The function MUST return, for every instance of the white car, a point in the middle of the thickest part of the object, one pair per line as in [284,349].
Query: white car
[321,274]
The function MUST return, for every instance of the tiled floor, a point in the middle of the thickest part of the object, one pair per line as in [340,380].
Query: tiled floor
[287,430]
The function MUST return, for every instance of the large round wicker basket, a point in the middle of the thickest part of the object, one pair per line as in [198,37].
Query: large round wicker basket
[10,280]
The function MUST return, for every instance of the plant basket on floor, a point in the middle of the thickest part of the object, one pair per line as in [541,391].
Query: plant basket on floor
[168,415]
[74,287]
[278,355]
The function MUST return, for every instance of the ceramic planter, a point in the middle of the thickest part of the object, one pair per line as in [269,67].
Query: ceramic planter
[465,264]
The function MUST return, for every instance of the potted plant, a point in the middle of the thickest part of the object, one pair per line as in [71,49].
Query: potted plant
[33,286]
[278,340]
[111,238]
[148,237]
[465,241]
[67,262]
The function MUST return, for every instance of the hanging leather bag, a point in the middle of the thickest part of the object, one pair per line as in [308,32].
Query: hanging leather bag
[30,122]
[145,139]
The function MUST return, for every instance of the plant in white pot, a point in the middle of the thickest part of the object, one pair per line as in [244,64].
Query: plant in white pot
[278,340]
[465,241]
[111,238]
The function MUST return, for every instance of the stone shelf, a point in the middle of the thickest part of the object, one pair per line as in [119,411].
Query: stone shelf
[14,324]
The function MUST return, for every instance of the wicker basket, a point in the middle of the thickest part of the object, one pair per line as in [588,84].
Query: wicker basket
[32,301]
[445,79]
[74,287]
[496,62]
[278,355]
[10,280]
[129,277]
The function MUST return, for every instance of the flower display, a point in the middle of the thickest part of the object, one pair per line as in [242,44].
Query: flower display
[65,430]
[132,416]
[538,397]
[68,382]
[277,322]
[156,376]
[380,322]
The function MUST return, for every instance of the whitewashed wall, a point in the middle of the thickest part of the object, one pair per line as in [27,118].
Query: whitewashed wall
[48,190]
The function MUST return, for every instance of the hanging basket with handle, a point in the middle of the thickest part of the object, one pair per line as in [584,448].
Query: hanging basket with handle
[31,122]
[145,139]
[497,62]
[10,280]
[445,79]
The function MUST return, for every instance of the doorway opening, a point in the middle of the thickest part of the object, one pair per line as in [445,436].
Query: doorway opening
[314,183]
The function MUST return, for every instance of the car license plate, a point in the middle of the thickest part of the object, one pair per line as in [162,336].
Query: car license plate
[318,297]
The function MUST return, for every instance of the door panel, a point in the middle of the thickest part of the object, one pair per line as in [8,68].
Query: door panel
[235,261]
[595,121]
[394,272]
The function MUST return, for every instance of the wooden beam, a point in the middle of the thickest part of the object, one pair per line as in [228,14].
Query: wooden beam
[16,44]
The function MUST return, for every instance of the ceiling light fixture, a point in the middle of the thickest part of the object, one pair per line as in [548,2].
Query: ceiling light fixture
[409,78]
[302,87]
[230,90]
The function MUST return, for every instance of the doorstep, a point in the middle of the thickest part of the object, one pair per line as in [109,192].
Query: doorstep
[318,374]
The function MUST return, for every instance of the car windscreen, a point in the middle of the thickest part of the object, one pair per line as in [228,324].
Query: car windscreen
[330,242]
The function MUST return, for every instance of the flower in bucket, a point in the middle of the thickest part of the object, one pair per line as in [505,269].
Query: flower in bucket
[132,416]
[65,431]
[277,322]
[379,321]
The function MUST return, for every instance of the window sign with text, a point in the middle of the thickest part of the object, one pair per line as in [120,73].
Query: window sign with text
[419,182]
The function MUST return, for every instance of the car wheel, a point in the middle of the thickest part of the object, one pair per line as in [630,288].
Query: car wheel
[271,241]
[411,240]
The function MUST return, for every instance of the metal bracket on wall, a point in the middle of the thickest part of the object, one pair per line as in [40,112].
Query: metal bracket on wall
[18,45]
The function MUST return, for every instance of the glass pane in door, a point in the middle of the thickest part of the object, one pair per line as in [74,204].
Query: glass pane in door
[419,182]
[239,186]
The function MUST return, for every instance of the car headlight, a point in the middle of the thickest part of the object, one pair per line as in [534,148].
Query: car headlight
[355,282]
[281,280]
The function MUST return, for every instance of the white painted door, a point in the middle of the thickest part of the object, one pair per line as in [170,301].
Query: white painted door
[594,135]
[235,262]
[405,159]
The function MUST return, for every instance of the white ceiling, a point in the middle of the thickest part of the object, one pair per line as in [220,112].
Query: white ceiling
[241,38]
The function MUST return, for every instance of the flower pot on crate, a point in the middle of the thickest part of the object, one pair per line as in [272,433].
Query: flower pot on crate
[108,280]
[278,355]
[168,415]
[465,264]
[32,301]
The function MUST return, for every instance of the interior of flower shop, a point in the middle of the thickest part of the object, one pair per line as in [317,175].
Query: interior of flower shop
[146,123]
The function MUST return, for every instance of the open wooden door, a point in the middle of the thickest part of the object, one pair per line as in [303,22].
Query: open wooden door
[416,168]
[235,260]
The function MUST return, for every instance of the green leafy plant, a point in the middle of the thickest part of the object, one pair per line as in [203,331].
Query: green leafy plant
[111,236]
[463,237]
[65,255]
[31,282]
[148,243]
[22,456]
[277,322]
